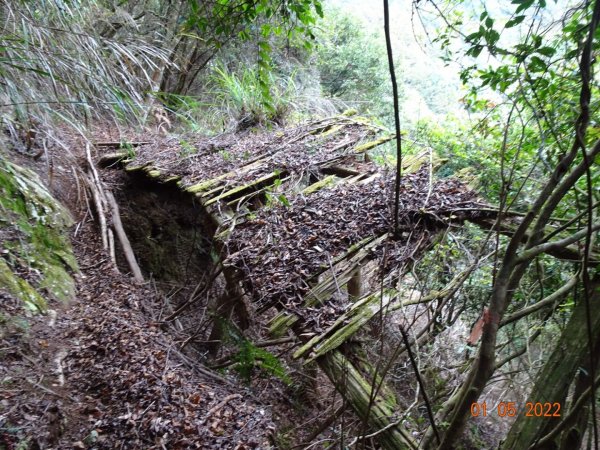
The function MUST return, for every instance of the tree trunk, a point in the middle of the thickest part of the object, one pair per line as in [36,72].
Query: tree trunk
[553,381]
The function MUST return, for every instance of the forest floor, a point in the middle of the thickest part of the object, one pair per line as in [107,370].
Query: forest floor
[99,373]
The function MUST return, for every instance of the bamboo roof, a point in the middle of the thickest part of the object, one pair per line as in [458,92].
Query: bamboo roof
[298,211]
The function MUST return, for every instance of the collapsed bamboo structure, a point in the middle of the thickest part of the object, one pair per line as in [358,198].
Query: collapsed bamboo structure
[271,198]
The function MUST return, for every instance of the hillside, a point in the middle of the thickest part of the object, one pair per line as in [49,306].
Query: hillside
[299,225]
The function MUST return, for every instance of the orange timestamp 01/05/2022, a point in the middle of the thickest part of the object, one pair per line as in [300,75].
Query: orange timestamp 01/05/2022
[510,409]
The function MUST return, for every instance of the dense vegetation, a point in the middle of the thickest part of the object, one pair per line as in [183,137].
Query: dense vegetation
[515,312]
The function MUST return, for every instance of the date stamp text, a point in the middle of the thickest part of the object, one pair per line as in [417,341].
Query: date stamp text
[510,409]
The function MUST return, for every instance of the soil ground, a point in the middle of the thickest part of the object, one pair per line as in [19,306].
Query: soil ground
[100,373]
[103,373]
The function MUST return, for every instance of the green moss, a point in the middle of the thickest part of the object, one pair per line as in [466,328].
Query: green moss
[33,226]
[331,130]
[153,173]
[325,182]
[200,187]
[20,288]
[281,323]
[369,145]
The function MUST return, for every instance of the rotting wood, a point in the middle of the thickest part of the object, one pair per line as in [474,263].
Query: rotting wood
[325,182]
[104,202]
[110,159]
[205,185]
[379,413]
[328,285]
[372,144]
[340,272]
[345,326]
[221,193]
[355,285]
[255,185]
[281,323]
[228,305]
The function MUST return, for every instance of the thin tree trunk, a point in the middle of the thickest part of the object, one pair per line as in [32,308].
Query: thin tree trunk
[553,381]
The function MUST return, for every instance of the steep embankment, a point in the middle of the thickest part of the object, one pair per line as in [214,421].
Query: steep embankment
[82,363]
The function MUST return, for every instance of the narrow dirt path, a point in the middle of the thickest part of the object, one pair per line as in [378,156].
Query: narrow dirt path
[99,373]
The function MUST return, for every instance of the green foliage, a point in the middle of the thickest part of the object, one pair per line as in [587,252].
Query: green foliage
[128,148]
[352,64]
[273,197]
[219,21]
[57,66]
[187,149]
[242,98]
[85,60]
[250,357]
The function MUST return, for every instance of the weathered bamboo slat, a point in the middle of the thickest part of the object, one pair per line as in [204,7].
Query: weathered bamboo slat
[345,326]
[341,272]
[137,167]
[378,411]
[372,144]
[208,186]
[119,157]
[253,186]
[222,194]
[325,182]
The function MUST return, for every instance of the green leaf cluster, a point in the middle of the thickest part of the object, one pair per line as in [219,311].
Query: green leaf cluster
[249,357]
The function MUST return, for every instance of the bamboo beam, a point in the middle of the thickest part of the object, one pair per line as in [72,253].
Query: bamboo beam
[345,326]
[341,269]
[378,411]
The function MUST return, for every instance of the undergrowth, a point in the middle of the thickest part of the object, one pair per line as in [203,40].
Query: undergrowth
[242,97]
[249,357]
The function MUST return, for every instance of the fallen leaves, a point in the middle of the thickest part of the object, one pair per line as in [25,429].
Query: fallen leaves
[285,246]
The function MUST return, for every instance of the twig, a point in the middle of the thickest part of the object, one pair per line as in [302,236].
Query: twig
[96,264]
[322,427]
[194,297]
[421,384]
[219,405]
[121,144]
[44,388]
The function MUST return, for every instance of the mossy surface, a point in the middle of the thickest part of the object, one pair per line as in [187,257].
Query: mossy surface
[36,256]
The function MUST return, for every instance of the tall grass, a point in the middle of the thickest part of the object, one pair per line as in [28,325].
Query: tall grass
[241,97]
[56,67]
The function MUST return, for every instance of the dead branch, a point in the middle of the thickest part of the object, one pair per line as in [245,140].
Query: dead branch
[194,296]
[123,240]
[218,406]
[120,144]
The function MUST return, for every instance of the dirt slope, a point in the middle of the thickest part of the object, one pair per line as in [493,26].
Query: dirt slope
[99,373]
